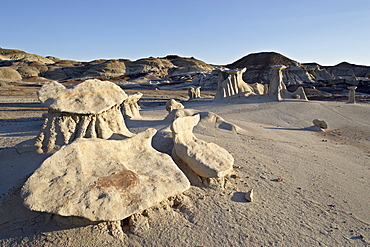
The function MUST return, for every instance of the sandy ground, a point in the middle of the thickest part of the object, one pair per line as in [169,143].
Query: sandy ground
[321,198]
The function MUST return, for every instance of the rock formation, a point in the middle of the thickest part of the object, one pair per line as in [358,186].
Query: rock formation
[194,93]
[259,88]
[9,74]
[131,108]
[352,95]
[88,109]
[208,160]
[320,123]
[230,83]
[277,89]
[78,180]
[173,104]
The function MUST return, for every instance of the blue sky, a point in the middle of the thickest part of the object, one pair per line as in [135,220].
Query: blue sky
[218,32]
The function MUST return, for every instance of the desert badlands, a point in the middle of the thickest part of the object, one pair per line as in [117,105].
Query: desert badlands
[96,163]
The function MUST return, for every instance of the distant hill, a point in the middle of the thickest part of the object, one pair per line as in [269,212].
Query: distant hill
[17,64]
[262,59]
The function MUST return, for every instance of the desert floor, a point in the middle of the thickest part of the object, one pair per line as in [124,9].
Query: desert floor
[311,188]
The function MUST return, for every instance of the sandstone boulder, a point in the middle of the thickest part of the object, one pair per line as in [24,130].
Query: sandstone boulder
[208,160]
[78,180]
[172,105]
[320,123]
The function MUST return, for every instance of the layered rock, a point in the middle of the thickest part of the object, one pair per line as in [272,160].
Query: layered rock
[9,73]
[89,109]
[208,160]
[78,180]
[108,69]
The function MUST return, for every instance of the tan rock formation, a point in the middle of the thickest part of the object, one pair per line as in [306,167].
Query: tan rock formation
[207,160]
[173,104]
[131,108]
[352,95]
[9,73]
[320,123]
[259,88]
[230,83]
[78,180]
[194,93]
[277,89]
[88,109]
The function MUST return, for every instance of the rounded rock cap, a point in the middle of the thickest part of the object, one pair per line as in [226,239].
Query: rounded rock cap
[89,97]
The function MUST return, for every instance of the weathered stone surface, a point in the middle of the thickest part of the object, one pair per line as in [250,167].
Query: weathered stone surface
[89,97]
[352,95]
[90,109]
[206,159]
[320,123]
[194,93]
[230,83]
[104,180]
[278,90]
[106,69]
[9,73]
[172,105]
[131,108]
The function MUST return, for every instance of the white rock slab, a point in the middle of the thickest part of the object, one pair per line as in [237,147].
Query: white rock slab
[104,180]
[89,97]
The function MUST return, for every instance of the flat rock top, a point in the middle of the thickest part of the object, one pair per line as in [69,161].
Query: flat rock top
[78,180]
[89,97]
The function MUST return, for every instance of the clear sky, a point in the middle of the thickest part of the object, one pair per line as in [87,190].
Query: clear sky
[217,32]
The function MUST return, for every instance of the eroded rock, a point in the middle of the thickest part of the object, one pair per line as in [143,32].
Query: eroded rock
[207,160]
[278,90]
[172,105]
[131,108]
[129,177]
[90,109]
[230,83]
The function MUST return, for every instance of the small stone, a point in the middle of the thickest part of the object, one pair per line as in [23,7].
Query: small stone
[249,196]
[321,123]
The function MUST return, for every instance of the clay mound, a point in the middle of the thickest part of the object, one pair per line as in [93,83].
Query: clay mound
[11,54]
[348,69]
[107,69]
[265,59]
[9,73]
[259,68]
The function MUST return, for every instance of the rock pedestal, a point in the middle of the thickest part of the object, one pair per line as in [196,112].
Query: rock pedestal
[194,93]
[131,108]
[352,95]
[230,83]
[89,109]
[277,88]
